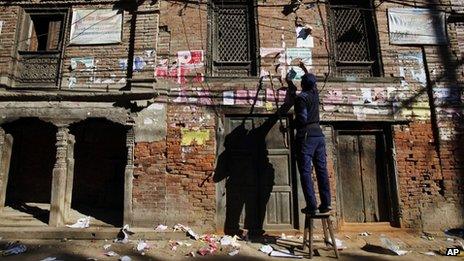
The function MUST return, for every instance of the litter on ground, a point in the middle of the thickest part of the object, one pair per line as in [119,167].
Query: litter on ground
[161,228]
[230,241]
[340,244]
[392,246]
[125,258]
[429,253]
[233,253]
[142,245]
[81,223]
[284,253]
[364,234]
[13,249]
[123,235]
[111,253]
[267,249]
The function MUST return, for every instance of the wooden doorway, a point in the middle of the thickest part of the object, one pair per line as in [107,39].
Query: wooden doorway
[256,177]
[363,179]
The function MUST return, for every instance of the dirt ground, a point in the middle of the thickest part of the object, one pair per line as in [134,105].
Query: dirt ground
[358,248]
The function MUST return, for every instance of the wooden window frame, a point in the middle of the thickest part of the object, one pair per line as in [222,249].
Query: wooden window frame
[216,67]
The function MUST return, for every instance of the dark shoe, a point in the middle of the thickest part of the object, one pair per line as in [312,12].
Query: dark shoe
[323,210]
[308,211]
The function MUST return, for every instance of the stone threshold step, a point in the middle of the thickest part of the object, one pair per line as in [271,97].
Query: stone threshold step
[10,233]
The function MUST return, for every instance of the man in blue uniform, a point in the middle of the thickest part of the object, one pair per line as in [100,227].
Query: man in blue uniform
[310,144]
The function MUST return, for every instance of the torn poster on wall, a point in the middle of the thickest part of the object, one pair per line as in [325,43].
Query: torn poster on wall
[294,54]
[228,98]
[187,69]
[138,64]
[420,110]
[412,67]
[304,54]
[190,59]
[274,57]
[194,137]
[83,63]
[96,26]
[416,26]
[447,96]
[303,37]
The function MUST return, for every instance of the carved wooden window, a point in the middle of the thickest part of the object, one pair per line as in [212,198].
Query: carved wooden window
[354,38]
[39,47]
[42,31]
[233,38]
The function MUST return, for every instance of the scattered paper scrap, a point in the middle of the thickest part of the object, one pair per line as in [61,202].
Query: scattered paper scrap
[160,228]
[111,253]
[340,244]
[389,244]
[106,246]
[230,241]
[142,245]
[429,253]
[123,235]
[81,223]
[50,259]
[233,253]
[365,234]
[13,249]
[267,249]
[284,253]
[125,258]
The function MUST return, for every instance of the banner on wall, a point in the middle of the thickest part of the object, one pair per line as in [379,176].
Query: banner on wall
[96,26]
[416,26]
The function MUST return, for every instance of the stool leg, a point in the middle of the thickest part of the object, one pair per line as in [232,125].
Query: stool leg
[310,238]
[305,232]
[324,228]
[329,224]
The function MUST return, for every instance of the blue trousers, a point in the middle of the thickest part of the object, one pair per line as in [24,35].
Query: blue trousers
[312,150]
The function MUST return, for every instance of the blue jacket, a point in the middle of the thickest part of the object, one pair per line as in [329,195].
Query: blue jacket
[307,114]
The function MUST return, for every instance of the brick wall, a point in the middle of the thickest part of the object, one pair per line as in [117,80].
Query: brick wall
[172,180]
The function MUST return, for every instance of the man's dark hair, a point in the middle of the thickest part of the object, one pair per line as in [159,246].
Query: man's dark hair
[308,81]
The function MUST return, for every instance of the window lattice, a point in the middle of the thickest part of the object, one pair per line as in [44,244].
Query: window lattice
[351,36]
[232,35]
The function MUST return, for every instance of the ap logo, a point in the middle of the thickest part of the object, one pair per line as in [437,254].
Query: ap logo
[452,251]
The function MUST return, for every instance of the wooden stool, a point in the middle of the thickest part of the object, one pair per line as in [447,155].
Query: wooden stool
[326,225]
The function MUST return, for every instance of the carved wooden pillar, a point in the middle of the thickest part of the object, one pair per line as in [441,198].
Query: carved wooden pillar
[128,176]
[6,145]
[69,176]
[57,204]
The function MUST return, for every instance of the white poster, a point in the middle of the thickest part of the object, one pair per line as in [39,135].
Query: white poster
[416,26]
[1,25]
[304,54]
[96,26]
[303,38]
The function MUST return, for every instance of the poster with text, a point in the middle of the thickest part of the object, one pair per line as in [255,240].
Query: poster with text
[96,26]
[416,26]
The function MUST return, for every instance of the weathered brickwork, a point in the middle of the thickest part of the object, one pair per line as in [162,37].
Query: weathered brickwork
[179,134]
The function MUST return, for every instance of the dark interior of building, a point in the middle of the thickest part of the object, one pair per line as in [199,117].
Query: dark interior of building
[31,166]
[100,157]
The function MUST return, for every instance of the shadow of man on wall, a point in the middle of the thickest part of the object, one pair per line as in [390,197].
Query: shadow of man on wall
[249,176]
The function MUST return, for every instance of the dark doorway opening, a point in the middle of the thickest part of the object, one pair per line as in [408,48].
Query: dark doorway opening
[30,174]
[100,158]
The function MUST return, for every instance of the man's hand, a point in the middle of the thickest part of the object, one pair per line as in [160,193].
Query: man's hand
[303,66]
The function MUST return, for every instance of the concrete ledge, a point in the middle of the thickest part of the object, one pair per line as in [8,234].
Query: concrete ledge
[9,233]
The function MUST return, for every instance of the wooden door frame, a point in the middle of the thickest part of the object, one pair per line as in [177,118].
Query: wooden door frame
[385,131]
[297,193]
